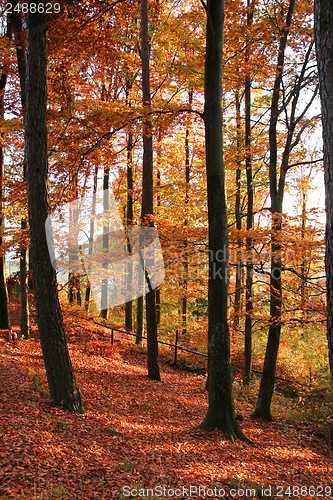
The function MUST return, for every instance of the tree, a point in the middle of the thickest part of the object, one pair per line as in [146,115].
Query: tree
[249,217]
[60,375]
[295,121]
[147,191]
[323,12]
[221,412]
[20,43]
[4,313]
[238,216]
[129,216]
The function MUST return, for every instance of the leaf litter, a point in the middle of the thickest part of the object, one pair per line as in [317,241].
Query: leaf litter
[136,433]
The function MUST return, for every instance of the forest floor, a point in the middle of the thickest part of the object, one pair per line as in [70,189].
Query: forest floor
[136,434]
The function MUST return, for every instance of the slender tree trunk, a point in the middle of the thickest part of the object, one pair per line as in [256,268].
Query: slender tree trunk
[147,191]
[238,217]
[263,406]
[74,284]
[221,413]
[21,63]
[158,289]
[106,208]
[185,243]
[24,319]
[249,218]
[91,235]
[139,320]
[304,263]
[324,48]
[60,375]
[4,311]
[129,221]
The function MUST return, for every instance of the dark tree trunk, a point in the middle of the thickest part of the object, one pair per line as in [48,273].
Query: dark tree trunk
[221,412]
[60,375]
[158,289]
[20,43]
[4,312]
[147,191]
[129,221]
[24,319]
[304,261]
[106,208]
[324,48]
[263,406]
[185,243]
[249,218]
[139,320]
[238,217]
[91,236]
[158,304]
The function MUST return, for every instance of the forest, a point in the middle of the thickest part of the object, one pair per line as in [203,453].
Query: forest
[166,265]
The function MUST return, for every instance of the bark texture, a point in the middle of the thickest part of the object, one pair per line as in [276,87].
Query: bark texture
[60,375]
[324,48]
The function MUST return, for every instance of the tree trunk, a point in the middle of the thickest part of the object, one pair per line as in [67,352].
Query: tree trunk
[185,242]
[304,297]
[60,375]
[158,204]
[129,221]
[249,218]
[4,312]
[21,63]
[221,412]
[238,217]
[24,319]
[263,406]
[147,191]
[139,320]
[324,49]
[106,208]
[91,236]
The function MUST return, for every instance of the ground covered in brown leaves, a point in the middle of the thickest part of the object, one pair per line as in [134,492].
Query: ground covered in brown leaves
[136,434]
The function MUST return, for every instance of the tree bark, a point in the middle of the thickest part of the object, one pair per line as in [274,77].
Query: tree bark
[147,191]
[60,375]
[221,412]
[324,49]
